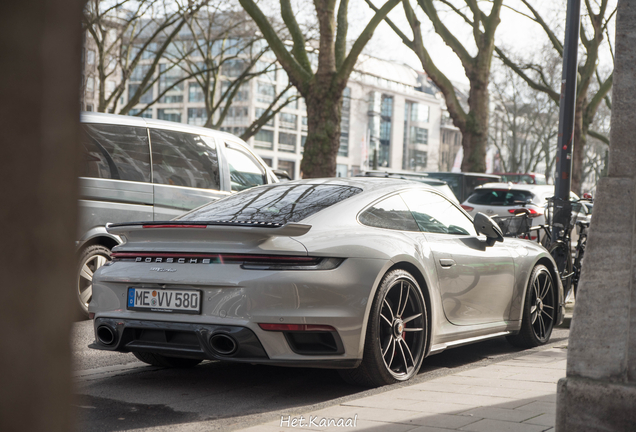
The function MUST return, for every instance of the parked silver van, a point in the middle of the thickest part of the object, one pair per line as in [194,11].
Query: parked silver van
[136,169]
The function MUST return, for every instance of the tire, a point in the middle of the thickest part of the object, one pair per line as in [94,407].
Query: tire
[563,258]
[396,336]
[90,259]
[165,361]
[539,310]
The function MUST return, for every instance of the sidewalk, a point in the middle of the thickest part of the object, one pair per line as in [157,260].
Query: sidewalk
[516,395]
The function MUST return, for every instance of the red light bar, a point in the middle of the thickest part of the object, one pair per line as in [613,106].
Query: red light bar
[296,327]
[468,208]
[174,226]
[529,211]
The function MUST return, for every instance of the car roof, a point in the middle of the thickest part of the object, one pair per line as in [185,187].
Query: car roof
[516,186]
[94,117]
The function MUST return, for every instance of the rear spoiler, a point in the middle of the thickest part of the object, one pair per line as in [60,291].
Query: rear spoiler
[261,229]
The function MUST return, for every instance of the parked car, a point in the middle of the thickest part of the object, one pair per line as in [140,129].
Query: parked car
[463,184]
[142,169]
[440,185]
[523,178]
[366,275]
[507,199]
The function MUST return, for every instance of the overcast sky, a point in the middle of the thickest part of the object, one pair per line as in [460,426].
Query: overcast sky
[515,33]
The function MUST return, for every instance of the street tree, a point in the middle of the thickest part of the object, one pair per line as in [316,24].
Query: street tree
[321,84]
[524,122]
[593,87]
[473,122]
[125,33]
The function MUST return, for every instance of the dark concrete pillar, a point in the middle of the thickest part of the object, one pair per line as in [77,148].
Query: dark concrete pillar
[599,392]
[39,111]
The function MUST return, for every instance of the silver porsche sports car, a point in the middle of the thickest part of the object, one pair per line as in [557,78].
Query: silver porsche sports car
[366,275]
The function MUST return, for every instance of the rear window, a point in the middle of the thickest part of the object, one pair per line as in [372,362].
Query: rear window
[279,204]
[499,197]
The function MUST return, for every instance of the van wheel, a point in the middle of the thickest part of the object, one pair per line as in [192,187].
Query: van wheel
[91,258]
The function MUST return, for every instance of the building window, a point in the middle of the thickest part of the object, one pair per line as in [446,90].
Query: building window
[90,85]
[169,114]
[344,123]
[287,142]
[259,112]
[289,166]
[304,126]
[265,92]
[287,121]
[303,138]
[90,57]
[233,68]
[146,98]
[236,115]
[268,161]
[89,107]
[264,139]
[197,116]
[243,93]
[169,82]
[419,112]
[386,114]
[415,155]
[145,114]
[342,170]
[195,93]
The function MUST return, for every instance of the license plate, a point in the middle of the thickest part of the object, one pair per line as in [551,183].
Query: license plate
[164,300]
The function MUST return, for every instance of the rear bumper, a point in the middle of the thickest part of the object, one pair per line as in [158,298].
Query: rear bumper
[192,340]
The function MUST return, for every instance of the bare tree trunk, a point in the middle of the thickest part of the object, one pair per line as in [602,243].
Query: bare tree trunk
[475,129]
[39,101]
[324,104]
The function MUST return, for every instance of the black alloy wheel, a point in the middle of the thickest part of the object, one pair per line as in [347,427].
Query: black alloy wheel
[539,311]
[397,332]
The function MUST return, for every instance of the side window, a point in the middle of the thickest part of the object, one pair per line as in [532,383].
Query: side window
[245,170]
[435,214]
[183,159]
[390,213]
[115,152]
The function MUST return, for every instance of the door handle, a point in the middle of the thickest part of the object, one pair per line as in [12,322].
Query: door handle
[444,262]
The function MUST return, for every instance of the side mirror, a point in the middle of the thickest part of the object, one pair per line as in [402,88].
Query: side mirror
[488,227]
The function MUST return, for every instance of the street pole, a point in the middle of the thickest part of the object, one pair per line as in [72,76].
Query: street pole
[563,178]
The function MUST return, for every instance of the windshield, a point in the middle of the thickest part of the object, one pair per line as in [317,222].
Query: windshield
[500,197]
[280,203]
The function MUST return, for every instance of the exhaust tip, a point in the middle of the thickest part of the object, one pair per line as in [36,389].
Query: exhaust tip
[106,335]
[223,344]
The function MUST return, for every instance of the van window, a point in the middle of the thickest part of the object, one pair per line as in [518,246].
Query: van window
[115,152]
[245,170]
[183,159]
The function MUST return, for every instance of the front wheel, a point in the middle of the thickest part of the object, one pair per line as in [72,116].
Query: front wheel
[396,336]
[539,310]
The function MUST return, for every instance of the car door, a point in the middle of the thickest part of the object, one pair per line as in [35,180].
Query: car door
[185,169]
[475,281]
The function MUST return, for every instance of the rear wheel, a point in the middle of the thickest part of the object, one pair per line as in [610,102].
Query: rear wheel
[91,258]
[539,310]
[396,336]
[165,361]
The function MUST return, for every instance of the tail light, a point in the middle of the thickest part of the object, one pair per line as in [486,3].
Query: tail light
[468,208]
[532,213]
[248,262]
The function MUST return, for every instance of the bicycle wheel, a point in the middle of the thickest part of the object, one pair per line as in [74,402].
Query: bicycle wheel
[578,264]
[563,258]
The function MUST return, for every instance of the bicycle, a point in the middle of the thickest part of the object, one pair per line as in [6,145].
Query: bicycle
[569,262]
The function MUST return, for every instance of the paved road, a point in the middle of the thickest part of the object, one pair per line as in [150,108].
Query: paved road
[115,392]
